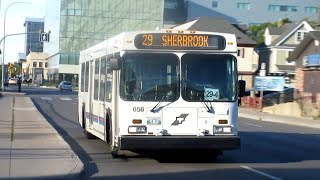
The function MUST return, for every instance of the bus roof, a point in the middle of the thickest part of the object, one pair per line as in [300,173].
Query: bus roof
[163,40]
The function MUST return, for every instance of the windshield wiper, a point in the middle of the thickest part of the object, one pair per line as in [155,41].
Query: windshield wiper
[153,109]
[209,109]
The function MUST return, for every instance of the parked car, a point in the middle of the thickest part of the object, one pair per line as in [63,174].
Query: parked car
[271,98]
[65,85]
[12,81]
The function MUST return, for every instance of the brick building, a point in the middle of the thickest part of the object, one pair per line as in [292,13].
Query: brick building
[307,58]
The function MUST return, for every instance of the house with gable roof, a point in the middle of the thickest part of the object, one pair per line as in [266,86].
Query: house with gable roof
[246,56]
[307,58]
[279,43]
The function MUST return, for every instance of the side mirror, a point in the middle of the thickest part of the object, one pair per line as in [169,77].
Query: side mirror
[242,87]
[115,64]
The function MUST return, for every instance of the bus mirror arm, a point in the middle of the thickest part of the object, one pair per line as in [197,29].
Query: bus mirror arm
[115,64]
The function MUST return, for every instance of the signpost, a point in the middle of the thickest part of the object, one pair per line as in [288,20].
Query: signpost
[268,83]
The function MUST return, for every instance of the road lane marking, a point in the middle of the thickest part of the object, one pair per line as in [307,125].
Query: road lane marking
[46,98]
[65,99]
[261,173]
[253,125]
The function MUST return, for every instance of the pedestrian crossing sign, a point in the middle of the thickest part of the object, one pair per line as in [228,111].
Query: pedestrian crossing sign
[44,37]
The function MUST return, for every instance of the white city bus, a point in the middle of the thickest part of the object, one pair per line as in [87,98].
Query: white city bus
[161,90]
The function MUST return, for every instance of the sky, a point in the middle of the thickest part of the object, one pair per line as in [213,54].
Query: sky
[15,19]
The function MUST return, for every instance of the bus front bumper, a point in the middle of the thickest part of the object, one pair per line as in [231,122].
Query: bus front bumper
[179,142]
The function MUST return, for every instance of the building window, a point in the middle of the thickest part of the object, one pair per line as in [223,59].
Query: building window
[70,12]
[34,64]
[63,59]
[240,53]
[283,8]
[245,6]
[301,35]
[273,8]
[40,64]
[214,4]
[292,8]
[171,4]
[77,12]
[313,10]
[45,64]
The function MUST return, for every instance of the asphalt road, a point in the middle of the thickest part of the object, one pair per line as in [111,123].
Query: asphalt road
[269,150]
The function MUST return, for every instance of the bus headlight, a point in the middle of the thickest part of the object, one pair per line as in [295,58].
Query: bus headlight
[222,129]
[137,129]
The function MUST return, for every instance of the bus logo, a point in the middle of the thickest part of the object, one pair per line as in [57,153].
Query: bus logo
[179,120]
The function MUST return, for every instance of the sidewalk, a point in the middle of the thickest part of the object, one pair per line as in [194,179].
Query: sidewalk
[30,148]
[262,116]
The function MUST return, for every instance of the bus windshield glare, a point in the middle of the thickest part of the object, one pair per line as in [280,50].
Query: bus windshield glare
[155,77]
[149,77]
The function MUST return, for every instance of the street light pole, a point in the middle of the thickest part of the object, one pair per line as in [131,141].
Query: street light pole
[4,40]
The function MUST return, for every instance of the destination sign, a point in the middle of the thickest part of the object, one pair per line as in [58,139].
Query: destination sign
[179,41]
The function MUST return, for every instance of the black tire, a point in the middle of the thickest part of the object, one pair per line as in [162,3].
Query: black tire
[108,129]
[113,150]
[114,153]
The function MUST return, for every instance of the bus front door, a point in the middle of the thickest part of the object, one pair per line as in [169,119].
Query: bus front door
[97,113]
[91,84]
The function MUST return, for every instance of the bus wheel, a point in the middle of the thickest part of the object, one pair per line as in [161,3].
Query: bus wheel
[108,130]
[114,153]
[109,134]
[88,135]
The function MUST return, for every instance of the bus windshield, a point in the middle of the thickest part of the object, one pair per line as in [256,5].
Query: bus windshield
[208,77]
[149,77]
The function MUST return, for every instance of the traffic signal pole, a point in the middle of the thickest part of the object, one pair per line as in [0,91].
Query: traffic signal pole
[2,81]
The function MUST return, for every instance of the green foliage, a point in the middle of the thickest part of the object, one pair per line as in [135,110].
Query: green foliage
[256,32]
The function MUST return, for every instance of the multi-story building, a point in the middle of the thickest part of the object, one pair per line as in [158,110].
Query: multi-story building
[32,27]
[78,24]
[251,12]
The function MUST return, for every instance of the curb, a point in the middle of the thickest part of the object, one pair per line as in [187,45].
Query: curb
[267,119]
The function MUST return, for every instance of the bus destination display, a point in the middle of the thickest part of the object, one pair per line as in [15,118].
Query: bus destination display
[179,41]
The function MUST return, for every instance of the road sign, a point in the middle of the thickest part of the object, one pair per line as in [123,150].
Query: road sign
[44,37]
[269,83]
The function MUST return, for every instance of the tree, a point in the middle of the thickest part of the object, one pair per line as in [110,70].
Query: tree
[14,69]
[256,32]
